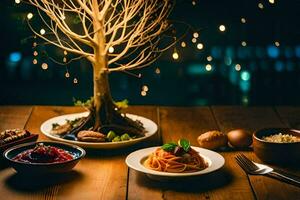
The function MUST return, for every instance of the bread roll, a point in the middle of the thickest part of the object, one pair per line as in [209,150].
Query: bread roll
[212,140]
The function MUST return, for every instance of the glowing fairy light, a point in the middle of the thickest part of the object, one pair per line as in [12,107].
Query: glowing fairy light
[17,1]
[195,35]
[222,28]
[271,1]
[44,66]
[143,93]
[29,16]
[35,53]
[238,67]
[208,67]
[111,49]
[261,6]
[75,80]
[65,52]
[157,70]
[175,55]
[34,61]
[67,75]
[193,2]
[145,88]
[183,44]
[243,20]
[277,44]
[64,59]
[244,43]
[42,31]
[34,44]
[200,46]
[209,58]
[194,40]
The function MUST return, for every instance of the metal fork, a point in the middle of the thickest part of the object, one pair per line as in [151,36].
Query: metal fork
[259,169]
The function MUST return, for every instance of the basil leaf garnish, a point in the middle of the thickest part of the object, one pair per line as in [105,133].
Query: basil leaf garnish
[185,144]
[169,146]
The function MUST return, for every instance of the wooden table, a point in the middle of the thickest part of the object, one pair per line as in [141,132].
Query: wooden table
[104,174]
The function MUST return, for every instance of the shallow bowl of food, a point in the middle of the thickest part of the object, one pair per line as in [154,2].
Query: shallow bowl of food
[43,157]
[277,145]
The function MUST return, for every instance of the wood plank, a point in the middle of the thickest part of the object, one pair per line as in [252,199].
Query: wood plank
[100,175]
[289,115]
[253,118]
[14,116]
[228,183]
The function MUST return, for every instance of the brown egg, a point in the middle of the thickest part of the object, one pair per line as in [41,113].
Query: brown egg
[239,138]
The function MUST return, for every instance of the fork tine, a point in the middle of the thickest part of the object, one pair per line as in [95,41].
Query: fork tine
[245,164]
[242,165]
[249,162]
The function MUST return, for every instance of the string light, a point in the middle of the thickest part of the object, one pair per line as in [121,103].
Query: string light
[195,35]
[277,44]
[157,70]
[35,53]
[193,2]
[44,66]
[243,20]
[34,44]
[65,52]
[75,81]
[64,59]
[209,58]
[175,55]
[208,67]
[34,61]
[222,28]
[183,44]
[111,49]
[261,6]
[17,1]
[271,1]
[238,67]
[42,31]
[194,40]
[29,16]
[67,74]
[200,46]
[145,88]
[143,93]
[244,43]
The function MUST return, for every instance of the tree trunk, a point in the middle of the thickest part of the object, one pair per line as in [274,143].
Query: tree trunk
[103,103]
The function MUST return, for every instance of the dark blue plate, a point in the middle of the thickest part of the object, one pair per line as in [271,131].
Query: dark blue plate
[38,168]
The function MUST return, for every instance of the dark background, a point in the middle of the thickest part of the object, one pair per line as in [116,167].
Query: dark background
[268,74]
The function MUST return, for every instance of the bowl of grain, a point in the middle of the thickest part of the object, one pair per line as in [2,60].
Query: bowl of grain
[277,145]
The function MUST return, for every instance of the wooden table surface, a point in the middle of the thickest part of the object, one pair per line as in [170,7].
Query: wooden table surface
[104,174]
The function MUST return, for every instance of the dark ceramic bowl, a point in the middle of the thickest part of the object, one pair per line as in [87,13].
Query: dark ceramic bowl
[277,153]
[42,168]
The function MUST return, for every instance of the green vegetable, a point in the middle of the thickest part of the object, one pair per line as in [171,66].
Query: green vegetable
[169,146]
[116,139]
[185,144]
[111,135]
[122,104]
[125,136]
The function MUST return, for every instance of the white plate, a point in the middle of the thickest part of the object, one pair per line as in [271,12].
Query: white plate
[135,161]
[149,126]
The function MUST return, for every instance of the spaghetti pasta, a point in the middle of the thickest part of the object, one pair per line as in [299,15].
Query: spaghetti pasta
[164,161]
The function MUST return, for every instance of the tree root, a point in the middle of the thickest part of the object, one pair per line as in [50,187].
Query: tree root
[118,123]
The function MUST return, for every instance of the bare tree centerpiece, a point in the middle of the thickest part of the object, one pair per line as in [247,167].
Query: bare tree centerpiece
[113,35]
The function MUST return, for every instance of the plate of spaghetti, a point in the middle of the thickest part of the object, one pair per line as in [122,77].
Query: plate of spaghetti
[175,160]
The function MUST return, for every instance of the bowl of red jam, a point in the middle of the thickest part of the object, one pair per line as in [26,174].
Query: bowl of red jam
[44,157]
